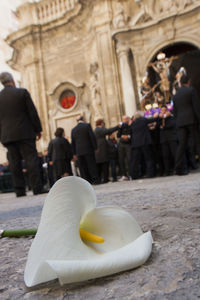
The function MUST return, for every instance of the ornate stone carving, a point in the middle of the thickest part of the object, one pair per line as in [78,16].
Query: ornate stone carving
[95,91]
[168,6]
[120,19]
[186,3]
[155,9]
[146,12]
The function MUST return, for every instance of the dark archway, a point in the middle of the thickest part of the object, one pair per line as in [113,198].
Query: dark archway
[188,57]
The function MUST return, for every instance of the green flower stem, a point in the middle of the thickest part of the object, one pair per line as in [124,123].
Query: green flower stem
[18,232]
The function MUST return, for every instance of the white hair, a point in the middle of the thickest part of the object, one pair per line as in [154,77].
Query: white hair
[138,114]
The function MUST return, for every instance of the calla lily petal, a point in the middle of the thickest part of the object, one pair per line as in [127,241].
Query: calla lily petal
[58,250]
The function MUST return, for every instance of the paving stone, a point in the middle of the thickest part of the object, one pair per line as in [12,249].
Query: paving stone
[168,206]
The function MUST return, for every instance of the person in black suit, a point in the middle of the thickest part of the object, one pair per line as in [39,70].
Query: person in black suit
[187,114]
[84,146]
[168,139]
[60,154]
[141,146]
[124,134]
[19,127]
[102,156]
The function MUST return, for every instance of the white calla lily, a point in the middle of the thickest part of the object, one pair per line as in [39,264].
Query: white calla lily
[58,250]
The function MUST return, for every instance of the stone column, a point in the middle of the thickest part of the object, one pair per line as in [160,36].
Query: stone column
[127,81]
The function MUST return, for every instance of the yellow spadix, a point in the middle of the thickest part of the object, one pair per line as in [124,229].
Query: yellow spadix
[85,235]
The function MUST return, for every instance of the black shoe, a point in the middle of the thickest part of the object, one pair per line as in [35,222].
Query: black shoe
[43,191]
[96,182]
[182,173]
[21,194]
[167,174]
[149,176]
[194,167]
[105,181]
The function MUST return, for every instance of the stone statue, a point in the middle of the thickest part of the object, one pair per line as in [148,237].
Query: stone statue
[95,91]
[119,19]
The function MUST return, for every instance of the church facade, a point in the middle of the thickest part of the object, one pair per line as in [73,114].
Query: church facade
[89,56]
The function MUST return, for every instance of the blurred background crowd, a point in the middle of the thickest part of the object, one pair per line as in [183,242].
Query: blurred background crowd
[160,141]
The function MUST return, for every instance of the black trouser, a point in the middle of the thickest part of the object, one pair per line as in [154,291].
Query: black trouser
[197,140]
[124,158]
[169,154]
[137,155]
[186,142]
[25,149]
[103,171]
[158,158]
[113,165]
[88,168]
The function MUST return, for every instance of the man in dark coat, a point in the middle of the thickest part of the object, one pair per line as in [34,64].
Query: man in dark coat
[19,127]
[84,146]
[141,146]
[102,156]
[187,114]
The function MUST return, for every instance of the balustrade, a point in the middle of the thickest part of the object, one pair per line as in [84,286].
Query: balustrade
[52,9]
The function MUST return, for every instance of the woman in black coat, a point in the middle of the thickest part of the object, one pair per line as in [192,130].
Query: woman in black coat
[60,154]
[102,156]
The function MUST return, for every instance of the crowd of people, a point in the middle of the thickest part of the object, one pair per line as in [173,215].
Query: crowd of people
[144,145]
[164,143]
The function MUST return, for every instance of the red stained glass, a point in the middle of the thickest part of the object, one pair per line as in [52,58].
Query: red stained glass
[67,101]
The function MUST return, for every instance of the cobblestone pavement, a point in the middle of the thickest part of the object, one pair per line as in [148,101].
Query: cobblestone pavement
[168,206]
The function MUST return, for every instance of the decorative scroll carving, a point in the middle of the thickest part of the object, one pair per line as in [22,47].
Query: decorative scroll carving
[95,91]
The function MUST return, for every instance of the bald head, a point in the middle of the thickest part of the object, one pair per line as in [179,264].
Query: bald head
[125,119]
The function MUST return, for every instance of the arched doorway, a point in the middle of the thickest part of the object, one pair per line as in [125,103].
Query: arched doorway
[180,56]
[184,56]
